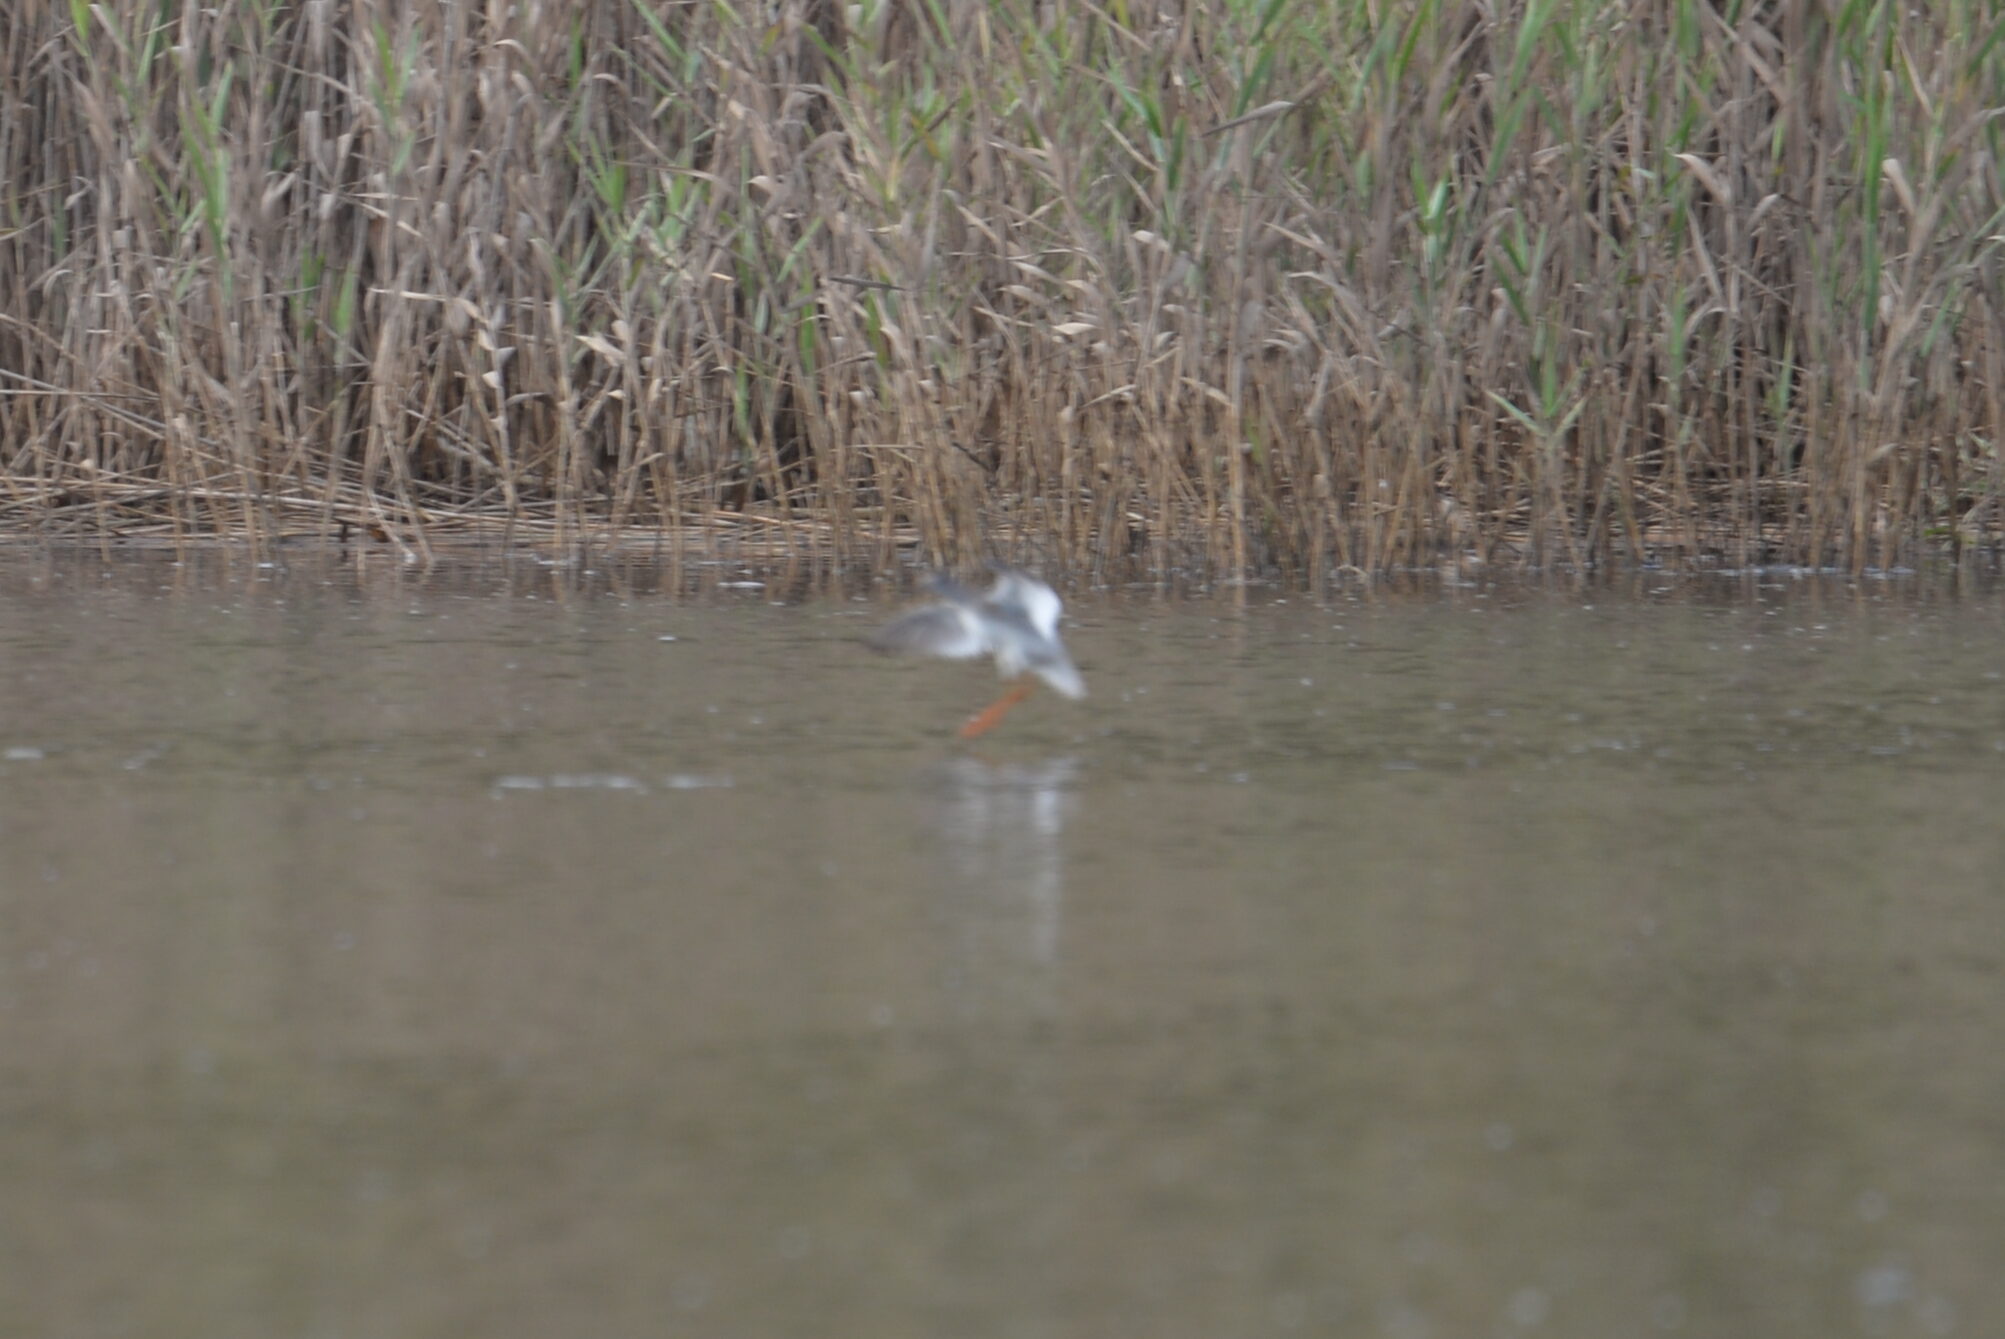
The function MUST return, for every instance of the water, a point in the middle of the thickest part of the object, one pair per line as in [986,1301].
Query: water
[387,953]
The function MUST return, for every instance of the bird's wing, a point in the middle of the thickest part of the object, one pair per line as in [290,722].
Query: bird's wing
[1050,663]
[934,630]
[1039,602]
[1043,605]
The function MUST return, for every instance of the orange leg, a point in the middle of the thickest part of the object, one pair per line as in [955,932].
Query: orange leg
[985,720]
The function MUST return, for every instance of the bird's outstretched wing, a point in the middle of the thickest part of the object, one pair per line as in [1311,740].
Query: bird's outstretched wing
[933,630]
[1040,603]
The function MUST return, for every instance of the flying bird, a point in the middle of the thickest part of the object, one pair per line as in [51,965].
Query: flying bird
[1016,622]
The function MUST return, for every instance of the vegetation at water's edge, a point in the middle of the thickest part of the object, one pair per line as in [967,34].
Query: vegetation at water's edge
[1248,282]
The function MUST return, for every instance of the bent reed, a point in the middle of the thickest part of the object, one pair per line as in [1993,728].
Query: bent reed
[1246,284]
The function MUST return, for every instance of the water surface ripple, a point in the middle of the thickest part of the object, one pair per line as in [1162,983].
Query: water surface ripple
[508,950]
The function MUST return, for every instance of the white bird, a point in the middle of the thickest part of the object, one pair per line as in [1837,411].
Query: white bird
[1016,622]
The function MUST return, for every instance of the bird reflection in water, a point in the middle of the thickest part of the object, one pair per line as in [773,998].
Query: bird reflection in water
[1004,886]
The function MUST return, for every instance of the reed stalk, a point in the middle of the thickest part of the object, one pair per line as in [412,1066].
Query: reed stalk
[1245,284]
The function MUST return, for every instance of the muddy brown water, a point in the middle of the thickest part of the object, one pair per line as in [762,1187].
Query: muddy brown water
[454,953]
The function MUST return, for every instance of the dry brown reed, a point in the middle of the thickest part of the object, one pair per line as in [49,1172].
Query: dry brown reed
[1239,283]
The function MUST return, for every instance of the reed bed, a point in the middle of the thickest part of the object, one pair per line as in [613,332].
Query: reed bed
[1246,284]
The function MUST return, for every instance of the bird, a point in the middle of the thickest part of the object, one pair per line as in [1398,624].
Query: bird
[1016,622]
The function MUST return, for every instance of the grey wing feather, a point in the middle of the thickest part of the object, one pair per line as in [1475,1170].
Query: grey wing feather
[936,630]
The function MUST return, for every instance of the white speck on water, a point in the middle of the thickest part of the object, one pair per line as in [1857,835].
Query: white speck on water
[595,781]
[741,585]
[696,781]
[667,637]
[1290,1310]
[1403,1320]
[1883,1285]
[691,1292]
[1668,1312]
[24,753]
[1529,1307]
[371,1187]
